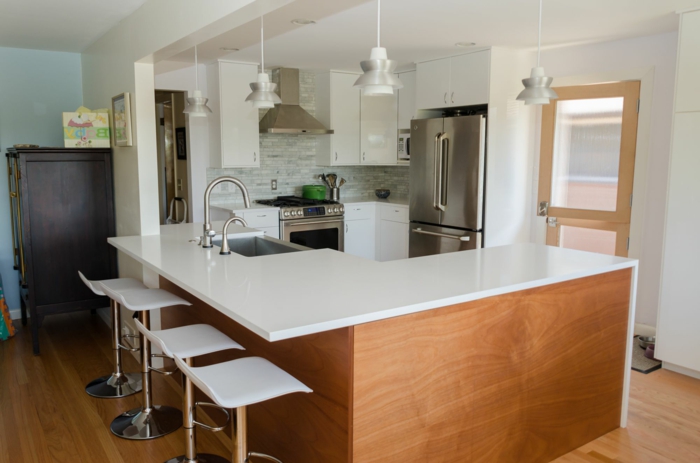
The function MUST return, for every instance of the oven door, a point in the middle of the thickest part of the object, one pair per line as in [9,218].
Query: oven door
[315,233]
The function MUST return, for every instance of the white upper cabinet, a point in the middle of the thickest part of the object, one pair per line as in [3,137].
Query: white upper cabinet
[451,82]
[338,108]
[233,126]
[407,99]
[469,79]
[378,129]
[432,84]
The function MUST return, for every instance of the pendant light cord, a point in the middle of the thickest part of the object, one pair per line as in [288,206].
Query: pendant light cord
[539,37]
[379,22]
[262,46]
[196,71]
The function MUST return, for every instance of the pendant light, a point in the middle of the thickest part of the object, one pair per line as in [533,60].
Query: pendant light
[537,90]
[263,94]
[197,104]
[378,77]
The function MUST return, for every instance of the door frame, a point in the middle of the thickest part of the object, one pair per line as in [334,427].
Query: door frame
[621,231]
[641,166]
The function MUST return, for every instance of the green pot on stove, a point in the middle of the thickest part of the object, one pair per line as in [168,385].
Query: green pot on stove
[313,192]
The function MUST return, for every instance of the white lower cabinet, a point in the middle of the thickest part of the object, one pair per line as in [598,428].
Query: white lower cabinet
[359,238]
[393,240]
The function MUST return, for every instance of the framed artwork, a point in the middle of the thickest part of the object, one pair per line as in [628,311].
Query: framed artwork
[121,118]
[181,143]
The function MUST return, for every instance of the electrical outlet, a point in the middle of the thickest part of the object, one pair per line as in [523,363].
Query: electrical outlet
[273,184]
[179,184]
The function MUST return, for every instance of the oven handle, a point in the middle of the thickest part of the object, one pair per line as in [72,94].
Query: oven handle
[294,224]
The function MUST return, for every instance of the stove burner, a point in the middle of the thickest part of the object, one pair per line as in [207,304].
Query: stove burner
[294,201]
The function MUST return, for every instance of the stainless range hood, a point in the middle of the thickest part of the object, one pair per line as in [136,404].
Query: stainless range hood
[289,117]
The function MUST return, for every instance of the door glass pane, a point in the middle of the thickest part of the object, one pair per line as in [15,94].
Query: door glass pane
[587,239]
[586,160]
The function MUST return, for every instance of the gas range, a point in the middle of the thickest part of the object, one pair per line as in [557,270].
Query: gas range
[295,208]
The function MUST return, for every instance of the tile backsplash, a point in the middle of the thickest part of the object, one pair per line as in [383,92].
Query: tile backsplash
[291,160]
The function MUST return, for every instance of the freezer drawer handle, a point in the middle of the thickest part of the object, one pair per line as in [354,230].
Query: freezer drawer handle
[441,235]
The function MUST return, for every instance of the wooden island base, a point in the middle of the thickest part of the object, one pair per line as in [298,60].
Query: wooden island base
[523,377]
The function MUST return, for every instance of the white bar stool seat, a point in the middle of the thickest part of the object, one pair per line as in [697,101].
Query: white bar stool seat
[148,421]
[237,384]
[187,342]
[118,384]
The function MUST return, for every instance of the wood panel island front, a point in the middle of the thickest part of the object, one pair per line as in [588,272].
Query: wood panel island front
[512,354]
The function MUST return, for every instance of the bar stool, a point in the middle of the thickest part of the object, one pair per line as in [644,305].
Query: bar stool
[148,421]
[235,385]
[118,384]
[187,342]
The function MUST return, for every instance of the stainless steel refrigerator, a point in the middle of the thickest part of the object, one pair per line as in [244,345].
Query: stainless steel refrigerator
[447,184]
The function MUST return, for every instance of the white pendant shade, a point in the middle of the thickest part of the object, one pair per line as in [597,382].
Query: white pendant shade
[197,104]
[263,94]
[537,86]
[378,77]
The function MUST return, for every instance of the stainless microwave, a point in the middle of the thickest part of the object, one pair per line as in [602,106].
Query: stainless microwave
[404,144]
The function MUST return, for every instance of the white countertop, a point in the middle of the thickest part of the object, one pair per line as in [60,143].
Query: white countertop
[393,200]
[239,206]
[295,294]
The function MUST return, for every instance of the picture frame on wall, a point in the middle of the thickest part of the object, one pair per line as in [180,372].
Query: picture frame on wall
[121,119]
[181,143]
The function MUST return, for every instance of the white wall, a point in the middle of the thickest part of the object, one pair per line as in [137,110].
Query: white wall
[197,134]
[655,58]
[510,152]
[35,88]
[121,61]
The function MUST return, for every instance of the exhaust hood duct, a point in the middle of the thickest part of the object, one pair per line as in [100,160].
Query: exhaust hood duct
[289,117]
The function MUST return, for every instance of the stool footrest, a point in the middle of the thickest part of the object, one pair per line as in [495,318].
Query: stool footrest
[261,455]
[213,428]
[127,345]
[162,372]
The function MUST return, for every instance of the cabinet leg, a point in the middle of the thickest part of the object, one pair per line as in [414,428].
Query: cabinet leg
[23,310]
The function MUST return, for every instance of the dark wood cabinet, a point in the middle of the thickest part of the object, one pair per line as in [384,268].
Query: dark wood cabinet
[62,214]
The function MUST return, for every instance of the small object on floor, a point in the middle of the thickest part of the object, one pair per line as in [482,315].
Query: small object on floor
[649,353]
[646,341]
[641,363]
[6,328]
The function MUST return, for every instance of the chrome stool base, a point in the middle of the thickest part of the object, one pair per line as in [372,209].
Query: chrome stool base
[201,458]
[137,424]
[114,386]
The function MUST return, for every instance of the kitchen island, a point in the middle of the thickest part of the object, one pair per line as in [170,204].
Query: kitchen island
[513,354]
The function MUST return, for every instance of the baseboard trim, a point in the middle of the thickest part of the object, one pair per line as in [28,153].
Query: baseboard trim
[16,314]
[644,330]
[682,370]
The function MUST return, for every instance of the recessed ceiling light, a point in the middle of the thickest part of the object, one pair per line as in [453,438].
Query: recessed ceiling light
[228,49]
[303,22]
[464,44]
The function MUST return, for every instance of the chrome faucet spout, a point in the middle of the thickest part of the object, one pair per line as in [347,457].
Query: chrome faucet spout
[225,249]
[208,232]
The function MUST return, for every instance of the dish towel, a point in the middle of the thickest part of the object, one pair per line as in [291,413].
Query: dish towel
[6,328]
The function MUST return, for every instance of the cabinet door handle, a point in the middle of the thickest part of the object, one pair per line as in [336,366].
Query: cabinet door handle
[453,97]
[346,228]
[336,155]
[363,156]
[255,157]
[445,97]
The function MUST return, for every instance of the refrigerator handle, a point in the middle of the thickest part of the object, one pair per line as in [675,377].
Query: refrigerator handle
[436,158]
[420,231]
[442,141]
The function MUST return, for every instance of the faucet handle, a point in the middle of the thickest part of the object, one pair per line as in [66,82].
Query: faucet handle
[211,233]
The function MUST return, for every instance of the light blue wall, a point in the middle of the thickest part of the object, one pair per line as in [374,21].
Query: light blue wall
[35,88]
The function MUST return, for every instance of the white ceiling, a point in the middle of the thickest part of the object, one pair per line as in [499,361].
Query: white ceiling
[60,25]
[415,30]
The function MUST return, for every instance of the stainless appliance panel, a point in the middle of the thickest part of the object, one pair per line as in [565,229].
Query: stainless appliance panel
[423,179]
[460,175]
[427,240]
[315,234]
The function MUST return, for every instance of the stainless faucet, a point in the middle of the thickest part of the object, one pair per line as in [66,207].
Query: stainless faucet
[208,232]
[225,249]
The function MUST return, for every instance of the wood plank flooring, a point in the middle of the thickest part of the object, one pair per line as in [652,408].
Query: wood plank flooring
[45,415]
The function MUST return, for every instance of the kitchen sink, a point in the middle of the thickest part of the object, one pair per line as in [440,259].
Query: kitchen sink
[259,246]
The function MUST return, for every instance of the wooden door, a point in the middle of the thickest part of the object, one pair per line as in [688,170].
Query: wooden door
[587,152]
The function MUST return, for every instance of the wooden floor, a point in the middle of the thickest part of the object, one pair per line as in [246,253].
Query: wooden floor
[45,415]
